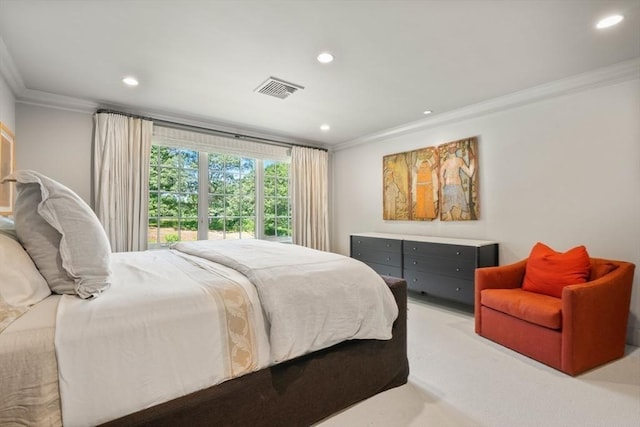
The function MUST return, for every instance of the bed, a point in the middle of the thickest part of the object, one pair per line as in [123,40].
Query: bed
[205,333]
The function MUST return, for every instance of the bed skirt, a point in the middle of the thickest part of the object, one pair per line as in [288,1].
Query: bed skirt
[298,392]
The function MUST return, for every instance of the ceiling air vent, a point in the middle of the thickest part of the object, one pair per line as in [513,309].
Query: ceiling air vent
[278,88]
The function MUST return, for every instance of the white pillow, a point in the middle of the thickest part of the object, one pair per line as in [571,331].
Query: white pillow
[62,235]
[20,282]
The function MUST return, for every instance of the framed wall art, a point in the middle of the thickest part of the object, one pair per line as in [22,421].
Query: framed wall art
[7,165]
[410,188]
[459,180]
[432,182]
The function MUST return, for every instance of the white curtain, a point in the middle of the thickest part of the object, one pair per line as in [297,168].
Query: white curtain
[122,147]
[310,197]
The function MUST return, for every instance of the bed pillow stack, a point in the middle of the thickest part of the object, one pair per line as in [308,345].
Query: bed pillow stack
[21,285]
[62,235]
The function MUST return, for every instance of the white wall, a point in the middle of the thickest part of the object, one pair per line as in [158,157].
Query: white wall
[7,105]
[57,143]
[564,171]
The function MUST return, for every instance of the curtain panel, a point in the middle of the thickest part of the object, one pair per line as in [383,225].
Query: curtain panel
[309,176]
[122,147]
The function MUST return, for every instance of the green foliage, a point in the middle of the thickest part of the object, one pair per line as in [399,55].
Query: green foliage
[172,238]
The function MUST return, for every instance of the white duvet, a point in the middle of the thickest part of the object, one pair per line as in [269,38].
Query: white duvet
[178,321]
[312,299]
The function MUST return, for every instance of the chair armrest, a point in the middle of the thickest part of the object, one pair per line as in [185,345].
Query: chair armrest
[502,277]
[594,319]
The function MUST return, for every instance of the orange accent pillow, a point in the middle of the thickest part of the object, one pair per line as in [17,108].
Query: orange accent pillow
[548,272]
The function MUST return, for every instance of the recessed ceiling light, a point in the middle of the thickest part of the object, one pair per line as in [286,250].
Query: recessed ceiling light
[130,81]
[427,112]
[609,21]
[325,127]
[325,58]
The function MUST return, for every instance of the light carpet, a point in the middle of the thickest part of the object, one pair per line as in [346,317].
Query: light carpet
[459,379]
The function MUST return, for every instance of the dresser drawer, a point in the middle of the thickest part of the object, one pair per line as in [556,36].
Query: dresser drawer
[376,256]
[385,270]
[389,245]
[438,249]
[451,288]
[460,267]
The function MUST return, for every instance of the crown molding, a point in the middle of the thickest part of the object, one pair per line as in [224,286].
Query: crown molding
[623,71]
[62,102]
[9,70]
[53,100]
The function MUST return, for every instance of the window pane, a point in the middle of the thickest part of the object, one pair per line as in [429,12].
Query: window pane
[153,159]
[232,163]
[248,166]
[189,229]
[168,205]
[270,226]
[248,228]
[216,228]
[232,228]
[153,176]
[168,180]
[170,157]
[189,159]
[282,207]
[152,232]
[282,187]
[248,206]
[188,181]
[232,184]
[153,204]
[189,205]
[216,205]
[168,230]
[216,182]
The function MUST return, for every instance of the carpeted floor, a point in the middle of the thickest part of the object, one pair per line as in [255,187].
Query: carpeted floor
[459,379]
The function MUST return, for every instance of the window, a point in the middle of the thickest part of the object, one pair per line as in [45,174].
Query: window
[277,203]
[232,197]
[198,195]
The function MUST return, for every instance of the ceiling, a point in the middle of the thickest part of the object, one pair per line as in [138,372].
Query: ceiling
[202,60]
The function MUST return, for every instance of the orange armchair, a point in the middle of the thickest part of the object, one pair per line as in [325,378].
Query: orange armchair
[583,329]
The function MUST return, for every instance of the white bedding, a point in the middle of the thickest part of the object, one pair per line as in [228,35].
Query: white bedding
[160,332]
[312,299]
[28,374]
[174,322]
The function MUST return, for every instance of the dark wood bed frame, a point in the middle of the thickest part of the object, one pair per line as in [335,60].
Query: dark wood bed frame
[299,392]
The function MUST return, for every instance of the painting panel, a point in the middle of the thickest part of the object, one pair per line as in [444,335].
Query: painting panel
[459,180]
[7,163]
[424,184]
[396,197]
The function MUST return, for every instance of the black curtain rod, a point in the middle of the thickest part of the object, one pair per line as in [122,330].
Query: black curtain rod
[208,130]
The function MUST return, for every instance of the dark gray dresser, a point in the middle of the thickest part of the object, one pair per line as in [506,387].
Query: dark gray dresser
[436,266]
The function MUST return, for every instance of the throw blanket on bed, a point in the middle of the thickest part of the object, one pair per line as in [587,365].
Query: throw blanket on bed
[312,299]
[166,328]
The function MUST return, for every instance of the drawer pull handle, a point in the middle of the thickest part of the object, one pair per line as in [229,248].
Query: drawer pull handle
[458,269]
[359,241]
[415,280]
[457,252]
[415,262]
[457,289]
[415,249]
[359,254]
[388,259]
[388,245]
